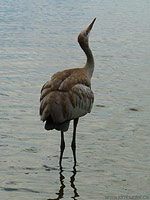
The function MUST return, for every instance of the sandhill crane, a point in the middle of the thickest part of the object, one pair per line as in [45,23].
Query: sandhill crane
[68,95]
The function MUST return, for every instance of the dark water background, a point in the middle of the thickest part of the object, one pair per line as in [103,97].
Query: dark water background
[38,38]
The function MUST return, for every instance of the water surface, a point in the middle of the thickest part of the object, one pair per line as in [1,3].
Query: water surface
[38,38]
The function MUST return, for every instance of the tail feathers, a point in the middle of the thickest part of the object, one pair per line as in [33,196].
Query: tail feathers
[62,126]
[50,125]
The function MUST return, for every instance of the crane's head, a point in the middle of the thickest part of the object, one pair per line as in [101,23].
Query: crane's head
[84,35]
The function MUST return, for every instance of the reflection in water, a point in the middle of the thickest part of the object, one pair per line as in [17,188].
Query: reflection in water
[72,179]
[62,185]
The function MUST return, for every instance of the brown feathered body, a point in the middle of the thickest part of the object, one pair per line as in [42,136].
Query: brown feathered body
[68,94]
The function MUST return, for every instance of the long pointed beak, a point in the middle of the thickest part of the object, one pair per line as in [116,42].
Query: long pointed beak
[91,25]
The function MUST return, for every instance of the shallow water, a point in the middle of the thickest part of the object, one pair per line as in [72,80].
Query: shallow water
[38,38]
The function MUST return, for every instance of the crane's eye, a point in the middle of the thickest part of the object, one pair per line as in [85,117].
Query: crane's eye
[87,32]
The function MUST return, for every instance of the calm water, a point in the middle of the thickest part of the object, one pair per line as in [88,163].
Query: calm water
[38,38]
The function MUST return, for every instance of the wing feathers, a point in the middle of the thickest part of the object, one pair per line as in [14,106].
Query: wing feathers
[64,106]
[66,96]
[65,80]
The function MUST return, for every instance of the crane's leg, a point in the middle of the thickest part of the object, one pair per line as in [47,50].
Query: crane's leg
[73,144]
[62,147]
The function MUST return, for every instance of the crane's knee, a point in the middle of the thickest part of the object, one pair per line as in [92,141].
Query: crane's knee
[62,146]
[73,146]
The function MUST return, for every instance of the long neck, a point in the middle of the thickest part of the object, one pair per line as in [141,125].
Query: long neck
[89,66]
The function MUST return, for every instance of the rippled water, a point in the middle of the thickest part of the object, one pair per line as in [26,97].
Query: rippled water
[38,38]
